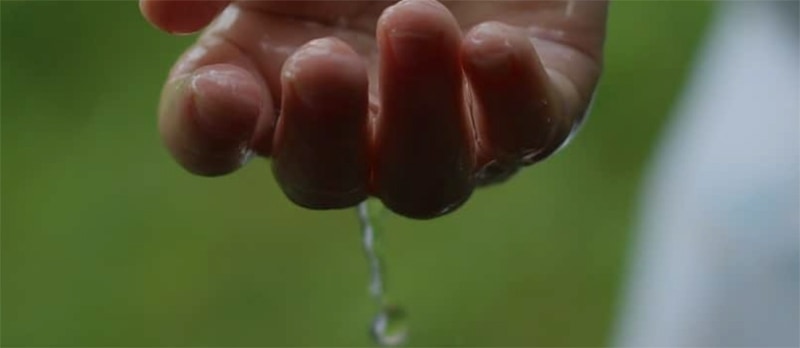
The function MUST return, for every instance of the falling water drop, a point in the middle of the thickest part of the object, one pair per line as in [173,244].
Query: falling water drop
[389,326]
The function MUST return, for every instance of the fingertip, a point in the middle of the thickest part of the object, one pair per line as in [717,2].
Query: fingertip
[227,99]
[323,68]
[491,48]
[320,145]
[418,6]
[208,117]
[424,141]
[181,16]
[417,18]
[514,108]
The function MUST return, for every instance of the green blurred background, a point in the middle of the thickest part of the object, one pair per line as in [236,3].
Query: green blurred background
[106,242]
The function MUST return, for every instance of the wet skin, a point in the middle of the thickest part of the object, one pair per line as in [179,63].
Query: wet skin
[415,102]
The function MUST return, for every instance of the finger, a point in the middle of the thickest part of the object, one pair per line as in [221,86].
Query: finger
[515,109]
[320,145]
[571,50]
[423,140]
[208,117]
[214,107]
[181,16]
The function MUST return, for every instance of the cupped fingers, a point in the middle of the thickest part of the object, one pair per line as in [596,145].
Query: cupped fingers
[319,150]
[423,137]
[515,109]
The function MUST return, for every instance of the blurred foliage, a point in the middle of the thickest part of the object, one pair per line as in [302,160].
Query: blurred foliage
[106,242]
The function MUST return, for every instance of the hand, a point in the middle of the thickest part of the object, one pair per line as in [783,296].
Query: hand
[414,102]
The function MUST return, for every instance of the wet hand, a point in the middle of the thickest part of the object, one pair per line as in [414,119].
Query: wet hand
[414,102]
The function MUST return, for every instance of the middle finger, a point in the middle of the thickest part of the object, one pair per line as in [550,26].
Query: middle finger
[423,142]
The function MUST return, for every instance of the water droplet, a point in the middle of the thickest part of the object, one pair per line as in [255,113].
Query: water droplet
[389,328]
[531,157]
[245,155]
[495,172]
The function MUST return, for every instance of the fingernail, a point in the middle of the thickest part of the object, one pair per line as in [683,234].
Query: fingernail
[227,102]
[428,3]
[309,95]
[492,51]
[414,49]
[497,62]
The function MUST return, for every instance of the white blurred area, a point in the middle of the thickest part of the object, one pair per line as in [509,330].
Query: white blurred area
[716,258]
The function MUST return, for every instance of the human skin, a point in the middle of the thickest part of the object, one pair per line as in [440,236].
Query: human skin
[416,102]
